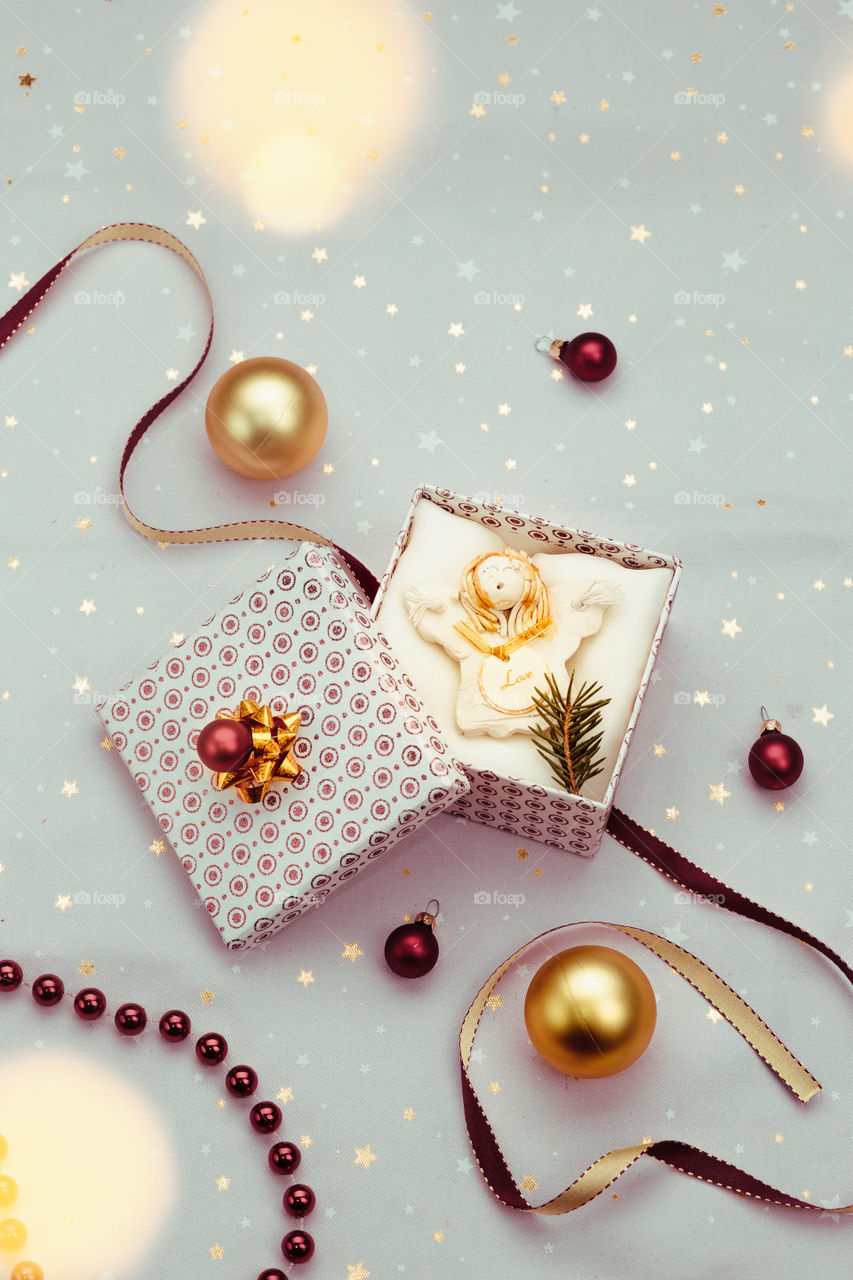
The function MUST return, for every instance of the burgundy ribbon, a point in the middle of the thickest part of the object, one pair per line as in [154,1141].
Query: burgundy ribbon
[240,531]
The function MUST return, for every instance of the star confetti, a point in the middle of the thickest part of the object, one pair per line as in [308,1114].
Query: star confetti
[364,1156]
[351,951]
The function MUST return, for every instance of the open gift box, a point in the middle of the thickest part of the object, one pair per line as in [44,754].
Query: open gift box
[373,766]
[511,786]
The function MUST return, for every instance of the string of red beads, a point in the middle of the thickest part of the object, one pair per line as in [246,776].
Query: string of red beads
[211,1049]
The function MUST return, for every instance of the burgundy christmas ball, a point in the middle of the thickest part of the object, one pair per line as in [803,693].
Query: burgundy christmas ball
[223,745]
[48,990]
[272,1273]
[11,975]
[299,1200]
[175,1026]
[284,1157]
[90,1004]
[411,950]
[211,1049]
[265,1117]
[131,1019]
[297,1246]
[241,1081]
[589,357]
[775,760]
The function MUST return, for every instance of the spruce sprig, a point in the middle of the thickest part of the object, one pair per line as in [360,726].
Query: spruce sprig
[570,733]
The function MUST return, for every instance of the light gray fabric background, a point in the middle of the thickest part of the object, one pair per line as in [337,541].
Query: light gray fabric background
[723,437]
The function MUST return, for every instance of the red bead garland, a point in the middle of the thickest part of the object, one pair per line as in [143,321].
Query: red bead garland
[297,1246]
[131,1019]
[174,1027]
[90,1004]
[241,1081]
[48,990]
[211,1049]
[265,1117]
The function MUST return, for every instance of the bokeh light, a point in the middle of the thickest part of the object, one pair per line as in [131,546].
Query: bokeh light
[301,108]
[93,1166]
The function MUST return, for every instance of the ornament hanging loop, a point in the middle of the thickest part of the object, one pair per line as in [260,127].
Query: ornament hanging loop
[543,344]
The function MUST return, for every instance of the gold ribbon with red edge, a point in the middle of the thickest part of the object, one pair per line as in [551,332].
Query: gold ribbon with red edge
[679,1155]
[270,758]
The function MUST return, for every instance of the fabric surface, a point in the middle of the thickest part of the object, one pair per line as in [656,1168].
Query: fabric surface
[676,178]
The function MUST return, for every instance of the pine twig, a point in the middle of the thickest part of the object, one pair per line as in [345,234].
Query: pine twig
[570,734]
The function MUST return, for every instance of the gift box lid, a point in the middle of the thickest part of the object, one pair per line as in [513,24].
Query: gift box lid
[373,764]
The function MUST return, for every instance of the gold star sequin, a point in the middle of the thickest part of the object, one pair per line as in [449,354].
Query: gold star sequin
[477,110]
[701,698]
[660,749]
[640,233]
[176,638]
[17,280]
[438,1237]
[821,715]
[672,813]
[718,792]
[523,853]
[206,996]
[306,977]
[319,255]
[69,788]
[83,523]
[357,1271]
[157,847]
[807,131]
[713,1015]
[63,901]
[306,1140]
[87,968]
[408,1114]
[88,607]
[364,1156]
[216,1252]
[779,1137]
[529,1183]
[351,951]
[285,1095]
[494,1002]
[223,1184]
[26,80]
[494,1086]
[195,219]
[730,627]
[107,744]
[558,97]
[818,585]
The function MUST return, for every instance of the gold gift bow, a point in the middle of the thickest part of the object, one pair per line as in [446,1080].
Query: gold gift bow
[237,531]
[609,1167]
[503,651]
[271,757]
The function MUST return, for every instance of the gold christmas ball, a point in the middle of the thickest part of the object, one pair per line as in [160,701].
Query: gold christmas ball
[266,418]
[590,1011]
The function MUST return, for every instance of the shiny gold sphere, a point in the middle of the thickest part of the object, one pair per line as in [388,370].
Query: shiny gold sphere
[590,1011]
[8,1191]
[27,1271]
[266,418]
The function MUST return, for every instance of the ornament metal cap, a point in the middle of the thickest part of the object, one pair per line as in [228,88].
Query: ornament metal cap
[428,917]
[551,346]
[768,723]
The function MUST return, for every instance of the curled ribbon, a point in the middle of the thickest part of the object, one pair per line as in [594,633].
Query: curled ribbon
[271,757]
[237,531]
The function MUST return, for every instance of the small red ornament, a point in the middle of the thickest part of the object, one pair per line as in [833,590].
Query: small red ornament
[265,1117]
[297,1246]
[590,357]
[131,1019]
[411,949]
[211,1049]
[284,1157]
[241,1081]
[175,1026]
[48,990]
[775,759]
[223,745]
[272,1273]
[299,1200]
[90,1004]
[11,975]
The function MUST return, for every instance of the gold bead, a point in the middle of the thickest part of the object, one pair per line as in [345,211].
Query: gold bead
[266,418]
[27,1271]
[590,1011]
[8,1191]
[13,1235]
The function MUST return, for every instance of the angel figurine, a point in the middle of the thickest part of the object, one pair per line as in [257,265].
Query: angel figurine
[508,631]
